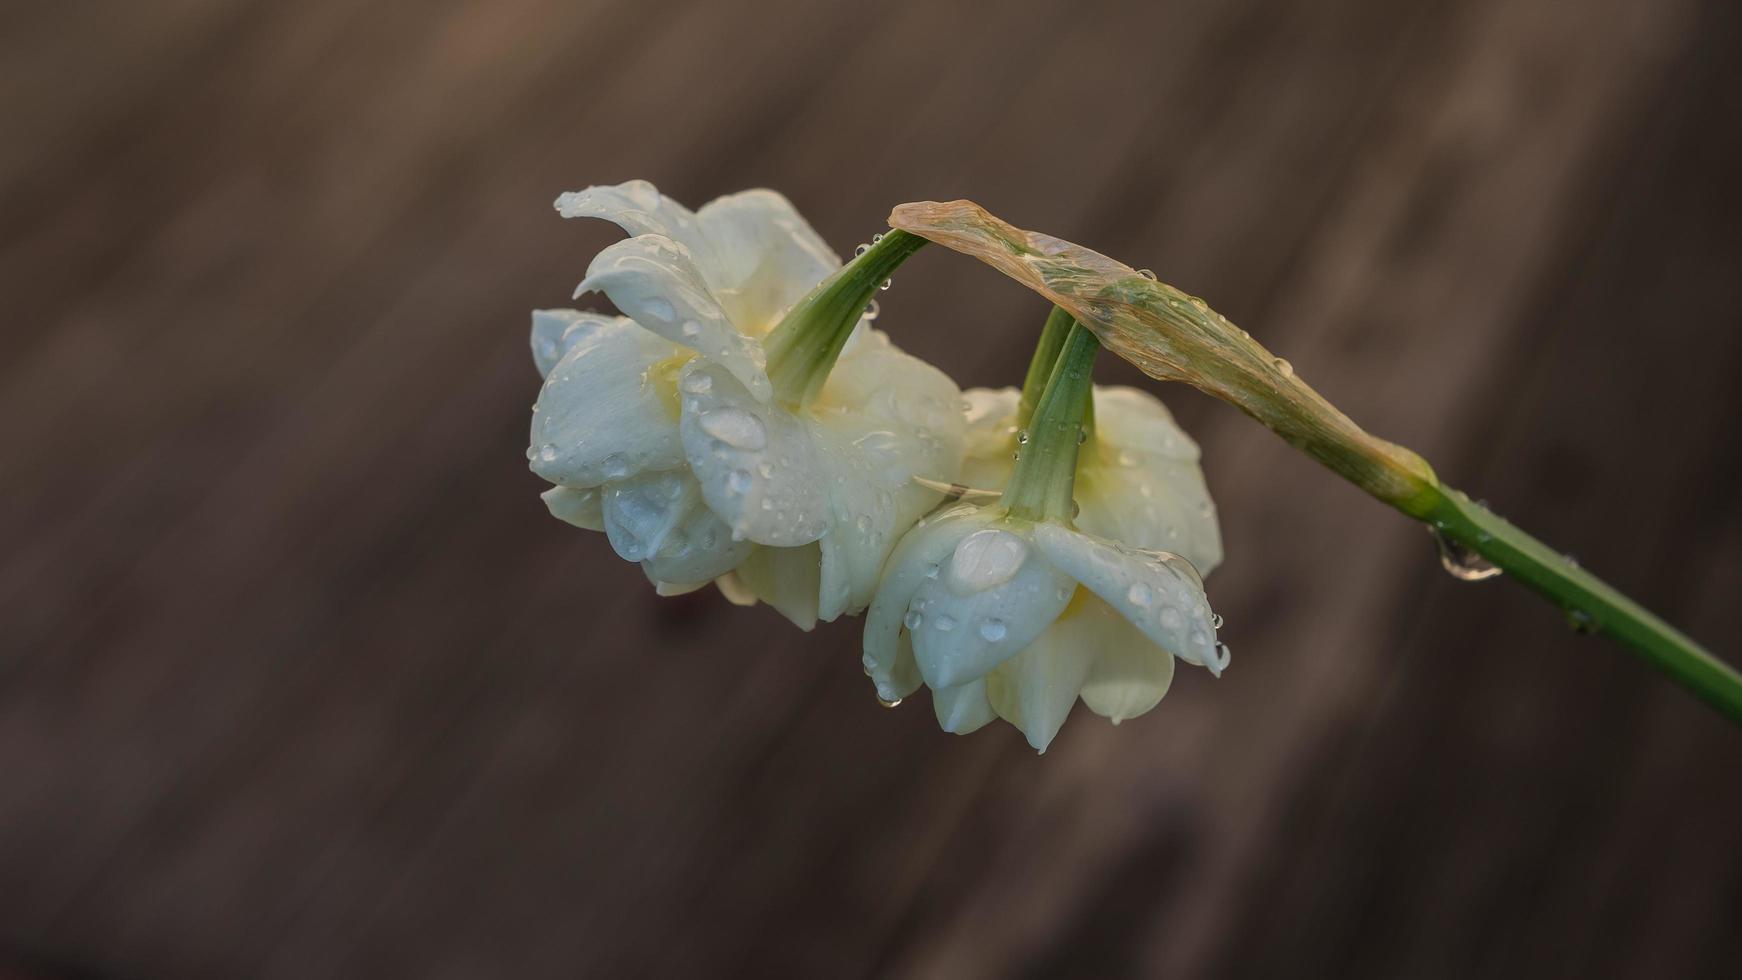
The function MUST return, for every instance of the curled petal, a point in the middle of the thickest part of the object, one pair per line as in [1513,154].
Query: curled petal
[556,332]
[579,506]
[1163,601]
[639,208]
[655,281]
[642,511]
[606,412]
[990,599]
[734,589]
[698,549]
[915,557]
[768,256]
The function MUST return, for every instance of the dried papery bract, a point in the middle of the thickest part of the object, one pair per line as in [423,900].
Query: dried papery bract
[1172,336]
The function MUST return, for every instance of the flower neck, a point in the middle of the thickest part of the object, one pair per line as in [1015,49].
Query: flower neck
[803,347]
[1041,486]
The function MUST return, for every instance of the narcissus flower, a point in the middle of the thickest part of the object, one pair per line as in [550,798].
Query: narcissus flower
[740,422]
[1013,608]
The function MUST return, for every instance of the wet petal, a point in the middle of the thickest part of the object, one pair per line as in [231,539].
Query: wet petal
[1162,601]
[990,414]
[962,634]
[642,511]
[1141,484]
[655,281]
[579,506]
[698,549]
[916,558]
[758,465]
[785,578]
[605,412]
[769,257]
[639,208]
[556,332]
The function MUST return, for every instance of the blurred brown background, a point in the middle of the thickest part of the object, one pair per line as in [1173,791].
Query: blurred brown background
[300,679]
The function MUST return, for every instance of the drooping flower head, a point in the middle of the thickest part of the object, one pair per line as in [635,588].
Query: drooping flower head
[1015,608]
[741,422]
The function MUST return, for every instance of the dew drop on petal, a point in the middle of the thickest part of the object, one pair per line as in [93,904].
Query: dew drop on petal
[913,620]
[738,481]
[1139,594]
[931,570]
[736,428]
[659,309]
[890,704]
[986,559]
[944,623]
[1170,619]
[697,383]
[992,630]
[547,452]
[691,329]
[1216,620]
[616,466]
[863,523]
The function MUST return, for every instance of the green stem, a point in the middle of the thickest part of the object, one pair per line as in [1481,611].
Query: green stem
[1046,463]
[804,346]
[1046,354]
[1590,602]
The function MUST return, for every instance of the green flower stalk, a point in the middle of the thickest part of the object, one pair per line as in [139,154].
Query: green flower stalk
[1172,336]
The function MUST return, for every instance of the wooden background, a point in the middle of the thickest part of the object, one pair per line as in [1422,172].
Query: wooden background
[300,680]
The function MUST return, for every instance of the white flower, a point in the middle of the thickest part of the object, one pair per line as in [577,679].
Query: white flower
[1138,481]
[1006,612]
[663,429]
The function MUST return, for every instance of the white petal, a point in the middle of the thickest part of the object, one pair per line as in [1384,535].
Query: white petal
[785,578]
[963,708]
[990,414]
[1142,484]
[579,506]
[668,588]
[915,557]
[642,510]
[639,208]
[757,463]
[1035,689]
[1162,601]
[698,549]
[1130,674]
[655,281]
[556,332]
[734,589]
[607,412]
[769,257]
[958,637]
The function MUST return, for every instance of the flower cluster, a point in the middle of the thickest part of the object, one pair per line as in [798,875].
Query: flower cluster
[743,423]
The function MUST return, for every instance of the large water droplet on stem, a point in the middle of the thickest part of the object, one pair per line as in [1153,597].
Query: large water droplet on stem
[1461,561]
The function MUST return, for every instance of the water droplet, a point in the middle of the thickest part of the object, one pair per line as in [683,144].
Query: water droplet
[616,466]
[871,310]
[547,452]
[1464,564]
[659,309]
[1064,595]
[992,630]
[1198,638]
[913,620]
[886,284]
[1082,435]
[697,383]
[890,704]
[944,623]
[1580,621]
[1022,437]
[1216,620]
[1223,655]
[1170,618]
[863,523]
[861,249]
[738,481]
[986,559]
[691,329]
[876,238]
[931,570]
[1283,367]
[765,468]
[735,427]
[1139,594]
[1147,274]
